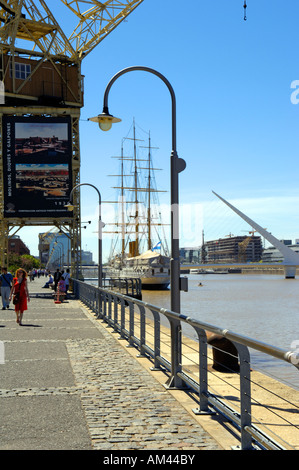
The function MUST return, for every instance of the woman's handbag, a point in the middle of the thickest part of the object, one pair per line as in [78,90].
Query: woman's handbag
[16,298]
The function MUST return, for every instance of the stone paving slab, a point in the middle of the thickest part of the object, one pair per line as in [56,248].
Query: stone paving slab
[68,384]
[37,373]
[38,350]
[43,423]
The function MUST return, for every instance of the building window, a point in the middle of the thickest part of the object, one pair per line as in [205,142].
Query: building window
[22,71]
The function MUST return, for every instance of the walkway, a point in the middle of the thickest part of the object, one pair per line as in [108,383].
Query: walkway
[67,383]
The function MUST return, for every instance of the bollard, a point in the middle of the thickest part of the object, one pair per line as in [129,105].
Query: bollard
[225,354]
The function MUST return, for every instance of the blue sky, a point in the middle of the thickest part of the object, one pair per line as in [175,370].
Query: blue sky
[237,127]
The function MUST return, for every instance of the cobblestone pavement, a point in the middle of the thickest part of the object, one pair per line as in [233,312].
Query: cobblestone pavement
[66,383]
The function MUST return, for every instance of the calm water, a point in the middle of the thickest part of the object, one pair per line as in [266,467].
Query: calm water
[263,307]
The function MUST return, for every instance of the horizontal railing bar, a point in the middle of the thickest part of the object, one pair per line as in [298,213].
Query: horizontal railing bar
[287,356]
[189,381]
[263,439]
[228,412]
[225,409]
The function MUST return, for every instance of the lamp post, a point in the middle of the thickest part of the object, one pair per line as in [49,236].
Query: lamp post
[100,227]
[59,254]
[105,121]
[62,251]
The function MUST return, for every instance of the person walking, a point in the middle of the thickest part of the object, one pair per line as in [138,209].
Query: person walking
[5,280]
[20,292]
[66,278]
[57,275]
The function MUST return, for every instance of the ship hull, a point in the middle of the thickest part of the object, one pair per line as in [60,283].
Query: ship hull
[148,281]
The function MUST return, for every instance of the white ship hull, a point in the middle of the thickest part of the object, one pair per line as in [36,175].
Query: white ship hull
[151,268]
[149,281]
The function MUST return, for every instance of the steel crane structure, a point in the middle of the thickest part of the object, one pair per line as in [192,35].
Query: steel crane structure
[40,74]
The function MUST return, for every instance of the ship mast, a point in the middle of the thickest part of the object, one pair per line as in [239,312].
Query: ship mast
[136,247]
[149,235]
[135,189]
[123,230]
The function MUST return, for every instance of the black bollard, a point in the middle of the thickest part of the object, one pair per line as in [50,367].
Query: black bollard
[225,354]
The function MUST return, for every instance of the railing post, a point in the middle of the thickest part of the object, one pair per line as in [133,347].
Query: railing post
[203,373]
[245,395]
[115,320]
[174,380]
[157,341]
[104,316]
[122,318]
[131,323]
[142,329]
[109,308]
[99,304]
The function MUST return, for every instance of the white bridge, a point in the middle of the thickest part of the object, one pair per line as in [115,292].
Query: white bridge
[291,259]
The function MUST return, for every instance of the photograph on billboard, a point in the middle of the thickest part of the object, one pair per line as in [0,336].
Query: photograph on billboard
[37,166]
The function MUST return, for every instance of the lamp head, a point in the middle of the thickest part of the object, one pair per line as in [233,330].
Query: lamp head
[105,120]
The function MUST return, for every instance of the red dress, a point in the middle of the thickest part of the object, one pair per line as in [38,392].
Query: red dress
[22,304]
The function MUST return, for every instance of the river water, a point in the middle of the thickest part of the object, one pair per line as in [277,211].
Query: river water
[262,307]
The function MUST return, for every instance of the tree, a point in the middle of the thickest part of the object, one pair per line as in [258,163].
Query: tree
[26,262]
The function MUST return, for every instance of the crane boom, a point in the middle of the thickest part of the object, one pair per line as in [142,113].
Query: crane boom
[91,20]
[98,21]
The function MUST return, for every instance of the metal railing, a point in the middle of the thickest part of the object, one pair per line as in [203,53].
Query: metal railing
[165,347]
[126,286]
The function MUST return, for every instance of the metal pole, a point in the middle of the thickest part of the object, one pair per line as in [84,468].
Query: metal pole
[177,165]
[62,251]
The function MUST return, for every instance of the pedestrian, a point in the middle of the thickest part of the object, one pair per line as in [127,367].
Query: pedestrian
[5,280]
[57,275]
[49,282]
[66,277]
[20,292]
[61,287]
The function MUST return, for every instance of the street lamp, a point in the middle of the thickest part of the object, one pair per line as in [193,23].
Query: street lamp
[62,251]
[105,121]
[70,207]
[59,254]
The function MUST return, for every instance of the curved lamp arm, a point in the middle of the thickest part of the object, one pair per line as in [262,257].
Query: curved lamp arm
[158,74]
[100,226]
[85,184]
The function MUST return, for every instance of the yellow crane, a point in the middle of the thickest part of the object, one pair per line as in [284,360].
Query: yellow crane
[33,21]
[242,247]
[40,70]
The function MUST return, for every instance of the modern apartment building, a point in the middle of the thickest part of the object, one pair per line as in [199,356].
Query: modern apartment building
[239,249]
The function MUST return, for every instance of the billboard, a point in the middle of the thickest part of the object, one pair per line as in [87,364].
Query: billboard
[37,166]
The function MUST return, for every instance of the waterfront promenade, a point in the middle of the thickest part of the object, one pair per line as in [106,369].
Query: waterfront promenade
[68,383]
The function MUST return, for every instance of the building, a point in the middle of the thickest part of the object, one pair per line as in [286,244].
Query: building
[86,257]
[54,249]
[190,255]
[239,249]
[16,245]
[273,255]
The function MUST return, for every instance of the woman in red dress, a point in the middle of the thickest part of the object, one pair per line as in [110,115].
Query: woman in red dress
[20,285]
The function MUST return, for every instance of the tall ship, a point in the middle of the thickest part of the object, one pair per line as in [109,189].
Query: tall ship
[139,247]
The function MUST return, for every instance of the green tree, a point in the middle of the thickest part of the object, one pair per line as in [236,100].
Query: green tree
[26,262]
